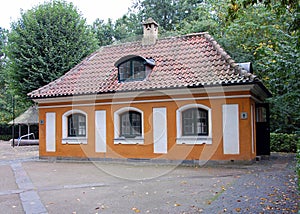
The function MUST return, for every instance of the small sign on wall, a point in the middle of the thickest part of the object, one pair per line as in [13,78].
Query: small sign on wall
[42,122]
[244,115]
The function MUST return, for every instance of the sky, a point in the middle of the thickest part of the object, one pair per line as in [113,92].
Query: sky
[90,9]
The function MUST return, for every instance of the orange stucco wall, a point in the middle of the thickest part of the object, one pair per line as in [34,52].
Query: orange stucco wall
[213,151]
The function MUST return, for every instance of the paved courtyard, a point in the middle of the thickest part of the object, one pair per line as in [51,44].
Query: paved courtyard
[30,185]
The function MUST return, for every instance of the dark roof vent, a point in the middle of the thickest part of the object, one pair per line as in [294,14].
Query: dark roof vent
[247,66]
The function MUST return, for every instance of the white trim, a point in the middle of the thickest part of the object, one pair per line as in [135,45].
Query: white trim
[148,101]
[193,139]
[252,128]
[122,140]
[73,140]
[160,131]
[100,131]
[231,143]
[50,132]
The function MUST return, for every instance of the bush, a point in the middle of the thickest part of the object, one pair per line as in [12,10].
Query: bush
[5,137]
[298,164]
[280,142]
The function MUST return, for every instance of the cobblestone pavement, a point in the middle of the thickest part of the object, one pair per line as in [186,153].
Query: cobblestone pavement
[29,185]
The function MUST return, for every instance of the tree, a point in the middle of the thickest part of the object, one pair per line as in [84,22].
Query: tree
[128,26]
[44,43]
[3,40]
[104,31]
[167,13]
[257,34]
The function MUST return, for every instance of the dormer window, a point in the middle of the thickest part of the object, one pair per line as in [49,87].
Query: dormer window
[133,68]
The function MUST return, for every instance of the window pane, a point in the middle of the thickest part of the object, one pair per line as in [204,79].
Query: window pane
[76,125]
[195,122]
[136,123]
[131,124]
[201,122]
[138,70]
[124,71]
[188,122]
[125,125]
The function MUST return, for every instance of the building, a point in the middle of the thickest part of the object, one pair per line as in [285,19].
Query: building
[177,98]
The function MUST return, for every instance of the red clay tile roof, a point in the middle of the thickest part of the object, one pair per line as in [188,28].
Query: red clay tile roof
[193,60]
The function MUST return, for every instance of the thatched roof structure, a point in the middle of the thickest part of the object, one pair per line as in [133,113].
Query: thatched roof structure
[29,117]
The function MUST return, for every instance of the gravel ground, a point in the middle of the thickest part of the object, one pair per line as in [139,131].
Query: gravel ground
[269,187]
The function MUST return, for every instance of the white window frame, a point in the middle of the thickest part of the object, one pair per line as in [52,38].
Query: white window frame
[73,140]
[180,139]
[122,140]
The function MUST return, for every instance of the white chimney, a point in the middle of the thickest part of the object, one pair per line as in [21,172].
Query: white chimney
[150,32]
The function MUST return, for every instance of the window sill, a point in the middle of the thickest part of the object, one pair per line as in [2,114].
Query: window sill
[122,140]
[194,140]
[74,140]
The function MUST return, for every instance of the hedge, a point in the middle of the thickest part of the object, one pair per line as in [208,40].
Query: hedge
[281,142]
[298,164]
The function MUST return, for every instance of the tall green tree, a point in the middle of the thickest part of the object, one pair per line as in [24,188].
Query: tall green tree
[128,26]
[167,13]
[44,43]
[5,98]
[257,34]
[104,31]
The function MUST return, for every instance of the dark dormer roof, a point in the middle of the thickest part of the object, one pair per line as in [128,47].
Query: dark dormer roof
[194,60]
[150,62]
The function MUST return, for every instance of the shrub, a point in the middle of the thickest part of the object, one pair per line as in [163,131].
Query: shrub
[298,163]
[281,142]
[5,137]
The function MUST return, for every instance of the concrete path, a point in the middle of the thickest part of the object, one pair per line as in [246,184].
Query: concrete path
[29,185]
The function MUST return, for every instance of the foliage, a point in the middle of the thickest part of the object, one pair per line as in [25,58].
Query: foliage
[44,43]
[5,137]
[167,13]
[281,142]
[5,98]
[264,32]
[258,35]
[298,162]
[104,31]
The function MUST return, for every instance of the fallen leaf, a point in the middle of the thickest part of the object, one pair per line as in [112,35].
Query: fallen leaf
[238,209]
[136,210]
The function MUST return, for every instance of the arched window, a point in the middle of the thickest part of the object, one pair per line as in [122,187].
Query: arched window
[130,124]
[76,125]
[195,122]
